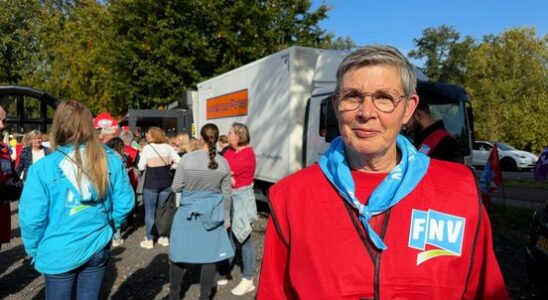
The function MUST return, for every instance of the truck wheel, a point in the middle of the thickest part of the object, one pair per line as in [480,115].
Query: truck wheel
[508,164]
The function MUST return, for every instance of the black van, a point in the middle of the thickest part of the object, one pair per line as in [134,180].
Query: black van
[537,252]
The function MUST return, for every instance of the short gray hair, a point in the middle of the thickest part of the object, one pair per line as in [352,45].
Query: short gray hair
[126,136]
[380,55]
[34,133]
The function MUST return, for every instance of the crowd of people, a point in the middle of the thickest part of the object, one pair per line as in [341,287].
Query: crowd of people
[85,182]
[367,221]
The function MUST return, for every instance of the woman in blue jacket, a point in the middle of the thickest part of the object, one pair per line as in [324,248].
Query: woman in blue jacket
[72,202]
[198,235]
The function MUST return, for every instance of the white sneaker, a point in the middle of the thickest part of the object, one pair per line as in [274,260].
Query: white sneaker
[147,244]
[223,281]
[245,286]
[164,241]
[117,243]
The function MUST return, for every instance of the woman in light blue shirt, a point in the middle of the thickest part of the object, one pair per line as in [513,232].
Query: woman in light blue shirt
[72,202]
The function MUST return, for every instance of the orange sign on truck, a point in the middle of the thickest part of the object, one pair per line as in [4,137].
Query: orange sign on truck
[227,105]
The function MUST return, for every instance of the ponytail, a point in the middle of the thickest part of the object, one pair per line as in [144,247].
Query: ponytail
[210,134]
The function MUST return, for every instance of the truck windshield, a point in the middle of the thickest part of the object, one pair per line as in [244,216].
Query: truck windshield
[453,116]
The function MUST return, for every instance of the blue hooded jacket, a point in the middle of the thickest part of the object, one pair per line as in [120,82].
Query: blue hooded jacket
[62,225]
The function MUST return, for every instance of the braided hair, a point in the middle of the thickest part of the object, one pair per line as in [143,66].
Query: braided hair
[210,135]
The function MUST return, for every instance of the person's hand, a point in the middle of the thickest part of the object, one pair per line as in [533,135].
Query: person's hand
[233,181]
[227,223]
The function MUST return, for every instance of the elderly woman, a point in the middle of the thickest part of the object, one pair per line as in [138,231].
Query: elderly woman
[32,153]
[376,219]
[241,158]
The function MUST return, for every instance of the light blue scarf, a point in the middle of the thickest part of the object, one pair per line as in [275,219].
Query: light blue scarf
[398,183]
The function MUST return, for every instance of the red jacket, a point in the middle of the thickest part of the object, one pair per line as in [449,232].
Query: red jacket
[5,211]
[316,248]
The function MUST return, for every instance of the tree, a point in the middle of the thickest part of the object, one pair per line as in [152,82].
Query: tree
[120,54]
[445,55]
[72,59]
[506,77]
[17,42]
[162,48]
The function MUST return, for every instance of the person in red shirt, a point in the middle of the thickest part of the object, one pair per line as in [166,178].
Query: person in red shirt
[132,156]
[6,171]
[241,159]
[430,136]
[375,218]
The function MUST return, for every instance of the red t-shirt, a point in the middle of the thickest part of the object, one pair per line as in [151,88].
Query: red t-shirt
[242,164]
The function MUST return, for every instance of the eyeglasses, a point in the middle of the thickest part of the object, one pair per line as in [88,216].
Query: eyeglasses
[383,100]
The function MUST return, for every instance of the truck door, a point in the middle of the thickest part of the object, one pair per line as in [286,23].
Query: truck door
[315,143]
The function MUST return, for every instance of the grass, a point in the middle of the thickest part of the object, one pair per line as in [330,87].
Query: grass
[529,183]
[513,221]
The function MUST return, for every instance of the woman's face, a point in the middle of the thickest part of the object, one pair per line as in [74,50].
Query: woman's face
[148,137]
[36,142]
[233,138]
[366,130]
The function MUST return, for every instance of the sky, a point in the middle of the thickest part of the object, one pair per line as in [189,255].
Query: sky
[398,22]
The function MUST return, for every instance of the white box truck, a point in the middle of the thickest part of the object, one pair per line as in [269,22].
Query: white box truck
[284,99]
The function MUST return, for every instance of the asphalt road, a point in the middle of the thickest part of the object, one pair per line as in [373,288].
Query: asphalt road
[133,272]
[136,273]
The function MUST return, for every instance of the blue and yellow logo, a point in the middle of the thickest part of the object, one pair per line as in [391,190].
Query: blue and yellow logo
[437,229]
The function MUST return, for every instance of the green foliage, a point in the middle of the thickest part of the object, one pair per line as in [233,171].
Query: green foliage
[120,54]
[17,43]
[445,55]
[165,47]
[507,79]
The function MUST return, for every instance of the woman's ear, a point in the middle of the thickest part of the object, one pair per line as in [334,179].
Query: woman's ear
[411,108]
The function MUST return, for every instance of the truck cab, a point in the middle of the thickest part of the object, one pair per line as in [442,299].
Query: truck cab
[447,102]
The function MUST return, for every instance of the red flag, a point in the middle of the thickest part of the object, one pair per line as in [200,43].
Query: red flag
[494,163]
[491,174]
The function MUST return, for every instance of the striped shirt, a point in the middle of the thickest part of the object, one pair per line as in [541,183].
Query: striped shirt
[192,174]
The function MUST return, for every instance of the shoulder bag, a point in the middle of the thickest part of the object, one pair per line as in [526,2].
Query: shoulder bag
[163,218]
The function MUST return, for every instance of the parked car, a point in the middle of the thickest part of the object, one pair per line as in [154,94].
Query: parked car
[537,252]
[511,159]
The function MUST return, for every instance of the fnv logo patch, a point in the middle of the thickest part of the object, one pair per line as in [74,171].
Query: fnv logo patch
[437,229]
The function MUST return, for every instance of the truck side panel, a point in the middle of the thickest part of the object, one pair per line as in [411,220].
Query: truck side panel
[267,82]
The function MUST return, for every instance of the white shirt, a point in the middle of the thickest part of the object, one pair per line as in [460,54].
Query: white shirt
[164,154]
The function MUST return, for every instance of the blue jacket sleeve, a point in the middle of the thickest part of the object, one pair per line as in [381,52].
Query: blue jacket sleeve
[26,157]
[33,210]
[121,195]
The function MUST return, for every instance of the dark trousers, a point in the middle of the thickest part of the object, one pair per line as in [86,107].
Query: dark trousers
[177,273]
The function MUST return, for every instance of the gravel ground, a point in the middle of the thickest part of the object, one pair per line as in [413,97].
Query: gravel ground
[135,273]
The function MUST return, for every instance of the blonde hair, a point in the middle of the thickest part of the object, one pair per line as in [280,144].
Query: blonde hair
[242,132]
[157,135]
[184,142]
[196,144]
[73,125]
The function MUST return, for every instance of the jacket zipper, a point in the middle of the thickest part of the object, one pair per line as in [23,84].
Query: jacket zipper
[374,254]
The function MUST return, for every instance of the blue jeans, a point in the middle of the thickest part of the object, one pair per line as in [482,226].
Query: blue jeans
[82,283]
[151,199]
[248,255]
